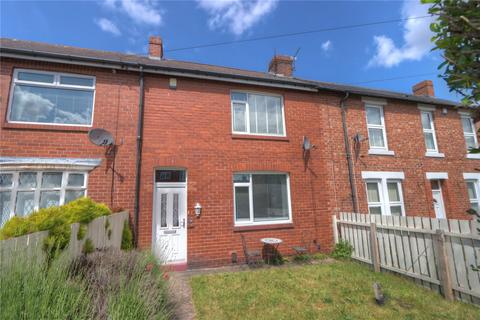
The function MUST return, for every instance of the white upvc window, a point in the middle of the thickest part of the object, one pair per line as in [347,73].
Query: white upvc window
[473,189]
[22,192]
[51,98]
[257,114]
[429,131]
[469,131]
[377,134]
[261,198]
[384,193]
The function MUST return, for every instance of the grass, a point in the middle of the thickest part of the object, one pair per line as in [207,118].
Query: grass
[339,290]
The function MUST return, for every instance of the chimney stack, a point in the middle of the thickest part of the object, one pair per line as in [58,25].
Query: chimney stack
[155,48]
[281,65]
[424,88]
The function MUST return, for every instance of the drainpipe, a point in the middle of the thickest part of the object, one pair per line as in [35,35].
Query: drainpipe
[353,188]
[138,164]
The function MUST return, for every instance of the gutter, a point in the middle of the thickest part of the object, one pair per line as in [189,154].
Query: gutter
[353,188]
[138,162]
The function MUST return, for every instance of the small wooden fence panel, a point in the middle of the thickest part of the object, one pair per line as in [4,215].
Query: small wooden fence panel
[103,232]
[415,247]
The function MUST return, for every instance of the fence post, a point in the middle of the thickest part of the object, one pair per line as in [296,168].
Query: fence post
[374,247]
[443,267]
[73,244]
[335,228]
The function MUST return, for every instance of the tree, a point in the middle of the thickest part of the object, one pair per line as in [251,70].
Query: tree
[457,34]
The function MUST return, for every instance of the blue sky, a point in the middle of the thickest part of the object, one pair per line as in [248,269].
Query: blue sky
[351,56]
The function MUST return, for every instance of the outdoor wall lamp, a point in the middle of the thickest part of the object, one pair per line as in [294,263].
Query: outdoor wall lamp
[198,209]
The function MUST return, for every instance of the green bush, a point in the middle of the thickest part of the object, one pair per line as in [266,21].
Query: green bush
[56,220]
[88,246]
[127,237]
[343,249]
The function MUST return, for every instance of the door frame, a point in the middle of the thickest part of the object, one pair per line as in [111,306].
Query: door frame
[157,185]
[440,191]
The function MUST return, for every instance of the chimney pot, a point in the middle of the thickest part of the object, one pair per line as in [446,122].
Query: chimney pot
[281,65]
[155,47]
[424,88]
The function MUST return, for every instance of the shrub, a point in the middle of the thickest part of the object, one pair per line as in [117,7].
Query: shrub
[343,249]
[127,237]
[88,246]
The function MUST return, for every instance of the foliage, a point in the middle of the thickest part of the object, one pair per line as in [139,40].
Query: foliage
[302,258]
[343,249]
[457,34]
[88,246]
[82,231]
[338,290]
[56,220]
[127,237]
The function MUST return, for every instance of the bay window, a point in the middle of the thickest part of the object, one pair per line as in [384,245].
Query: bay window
[257,114]
[21,193]
[261,198]
[52,98]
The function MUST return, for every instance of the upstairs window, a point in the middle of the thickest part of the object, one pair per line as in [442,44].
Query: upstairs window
[469,132]
[377,136]
[257,114]
[51,98]
[429,131]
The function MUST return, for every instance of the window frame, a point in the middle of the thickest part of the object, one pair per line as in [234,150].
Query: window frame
[56,84]
[476,185]
[432,131]
[382,179]
[381,126]
[251,221]
[15,188]
[247,113]
[468,134]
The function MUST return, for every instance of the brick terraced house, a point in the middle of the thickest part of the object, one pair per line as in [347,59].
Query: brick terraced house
[204,154]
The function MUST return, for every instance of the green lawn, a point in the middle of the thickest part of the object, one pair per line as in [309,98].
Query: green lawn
[338,290]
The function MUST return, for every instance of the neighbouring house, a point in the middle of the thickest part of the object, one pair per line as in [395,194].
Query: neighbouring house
[204,154]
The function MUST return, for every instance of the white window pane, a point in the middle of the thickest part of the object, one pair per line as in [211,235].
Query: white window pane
[239,114]
[76,81]
[280,116]
[51,105]
[426,120]
[396,210]
[76,180]
[51,180]
[35,77]
[49,198]
[272,116]
[374,116]
[474,206]
[6,180]
[238,96]
[470,141]
[239,177]
[71,195]
[393,192]
[252,110]
[472,192]
[270,199]
[25,203]
[373,194]
[429,141]
[261,104]
[242,203]
[375,137]
[27,180]
[5,198]
[467,125]
[375,210]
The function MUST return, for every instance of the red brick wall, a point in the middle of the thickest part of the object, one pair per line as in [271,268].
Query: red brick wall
[116,105]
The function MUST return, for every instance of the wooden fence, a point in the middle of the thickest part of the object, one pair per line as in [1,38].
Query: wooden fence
[103,232]
[436,253]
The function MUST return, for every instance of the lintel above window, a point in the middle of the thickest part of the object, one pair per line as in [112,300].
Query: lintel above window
[257,114]
[51,98]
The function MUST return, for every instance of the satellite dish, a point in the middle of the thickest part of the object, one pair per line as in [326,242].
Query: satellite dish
[101,137]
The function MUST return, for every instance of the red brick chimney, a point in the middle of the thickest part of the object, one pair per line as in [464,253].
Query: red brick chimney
[281,65]
[155,47]
[424,88]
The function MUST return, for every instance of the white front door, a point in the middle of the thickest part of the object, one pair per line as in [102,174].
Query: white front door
[438,204]
[169,223]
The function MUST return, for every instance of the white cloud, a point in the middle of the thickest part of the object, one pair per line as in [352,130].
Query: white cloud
[140,11]
[108,26]
[416,36]
[236,16]
[327,46]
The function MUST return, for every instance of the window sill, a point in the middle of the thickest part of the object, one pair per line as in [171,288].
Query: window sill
[434,155]
[381,152]
[473,155]
[44,127]
[258,137]
[287,225]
